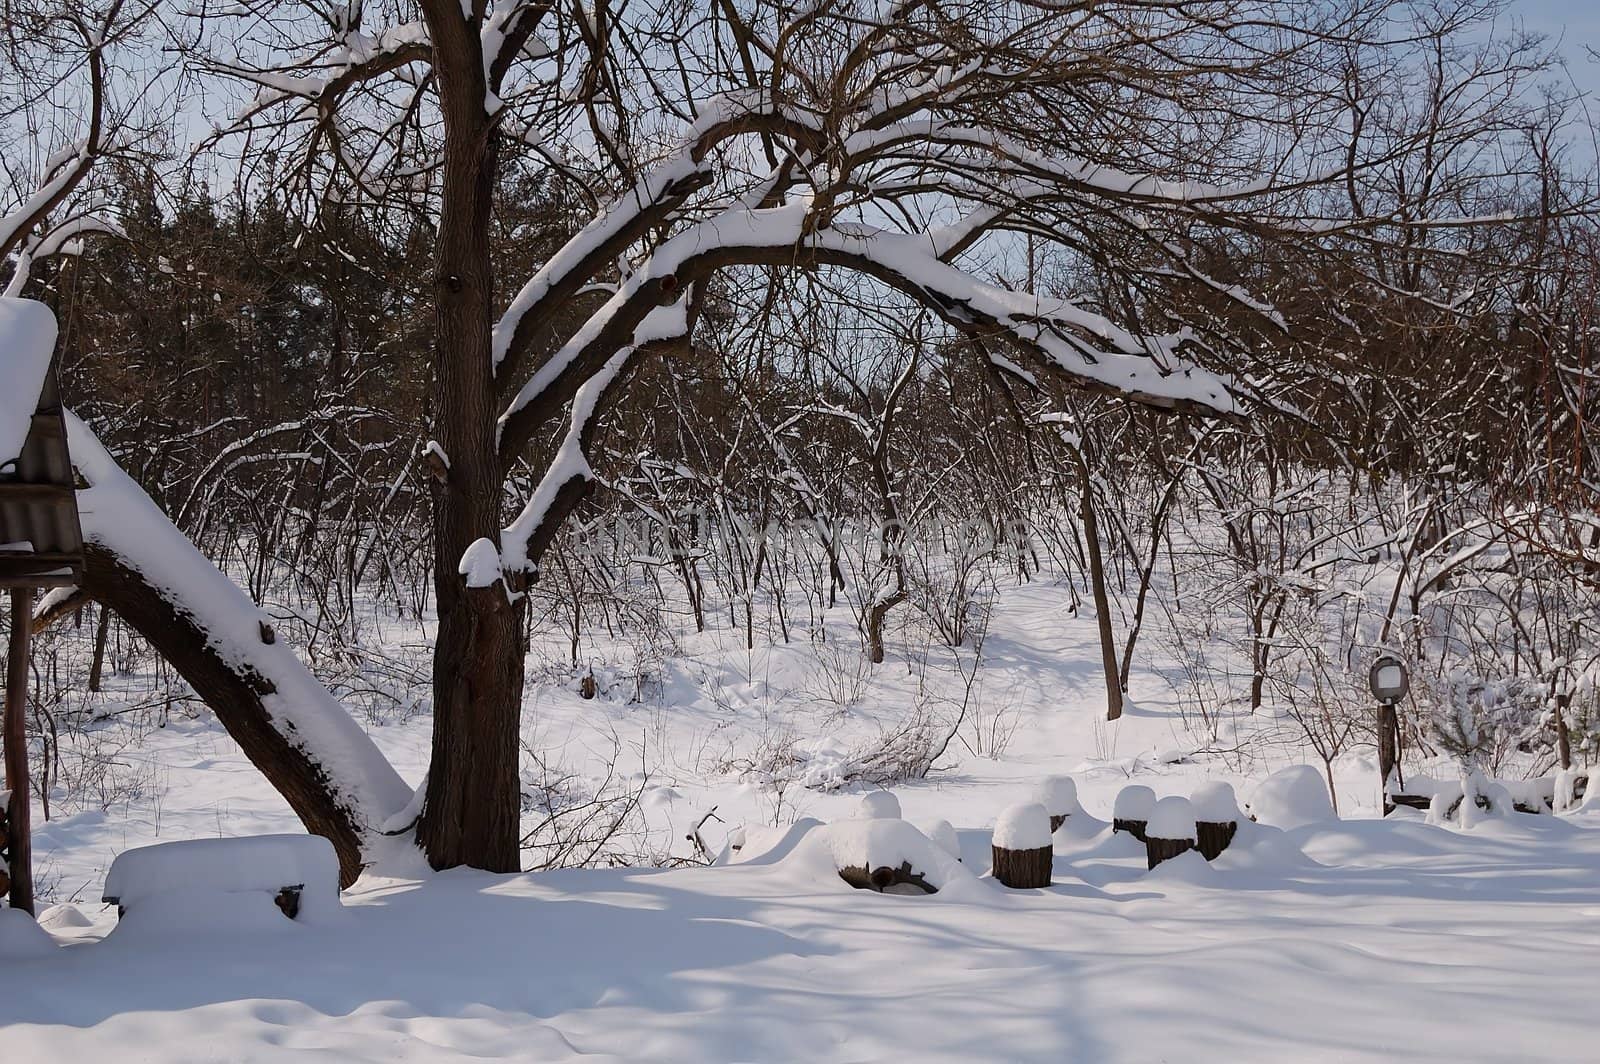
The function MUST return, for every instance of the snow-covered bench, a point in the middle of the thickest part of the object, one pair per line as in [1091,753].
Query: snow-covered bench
[299,873]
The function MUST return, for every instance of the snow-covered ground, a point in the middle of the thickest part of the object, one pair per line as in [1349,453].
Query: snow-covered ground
[1338,940]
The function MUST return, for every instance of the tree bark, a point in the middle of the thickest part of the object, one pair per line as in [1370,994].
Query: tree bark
[471,815]
[1022,869]
[1213,836]
[97,665]
[1097,583]
[1158,850]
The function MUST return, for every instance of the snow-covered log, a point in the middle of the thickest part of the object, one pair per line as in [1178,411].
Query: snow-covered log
[140,565]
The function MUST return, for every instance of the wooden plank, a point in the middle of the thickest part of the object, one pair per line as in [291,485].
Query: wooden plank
[16,749]
[19,491]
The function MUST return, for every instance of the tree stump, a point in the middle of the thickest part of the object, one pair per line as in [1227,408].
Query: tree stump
[1212,837]
[1171,830]
[1022,869]
[1136,828]
[1158,850]
[1059,796]
[1131,812]
[1020,852]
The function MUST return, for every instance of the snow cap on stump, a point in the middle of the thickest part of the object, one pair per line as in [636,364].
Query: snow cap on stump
[1134,802]
[1214,803]
[1292,797]
[1058,795]
[1025,826]
[1172,818]
[878,805]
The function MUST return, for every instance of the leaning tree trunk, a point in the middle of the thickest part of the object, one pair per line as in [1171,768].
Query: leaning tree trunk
[287,724]
[472,811]
[235,695]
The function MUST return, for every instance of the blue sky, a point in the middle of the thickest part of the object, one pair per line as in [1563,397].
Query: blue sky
[1575,23]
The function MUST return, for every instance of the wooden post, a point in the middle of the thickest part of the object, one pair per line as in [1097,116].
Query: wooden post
[16,748]
[1388,753]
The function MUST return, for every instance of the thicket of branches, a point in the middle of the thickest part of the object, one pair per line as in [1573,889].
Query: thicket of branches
[1241,316]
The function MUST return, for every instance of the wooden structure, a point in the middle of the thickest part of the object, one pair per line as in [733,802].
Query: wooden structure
[41,546]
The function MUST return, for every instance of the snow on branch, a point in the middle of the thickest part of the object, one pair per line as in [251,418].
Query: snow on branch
[118,515]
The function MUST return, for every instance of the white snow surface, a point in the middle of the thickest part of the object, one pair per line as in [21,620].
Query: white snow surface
[1337,940]
[1172,818]
[1134,802]
[27,340]
[1059,795]
[1024,826]
[878,805]
[1214,802]
[258,863]
[942,834]
[1292,797]
[21,938]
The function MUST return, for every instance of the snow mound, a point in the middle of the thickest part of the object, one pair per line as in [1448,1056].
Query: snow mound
[20,937]
[64,917]
[1261,849]
[1214,803]
[765,845]
[259,865]
[1563,794]
[1023,827]
[200,912]
[1172,818]
[943,835]
[27,340]
[1187,867]
[1470,801]
[826,850]
[1059,796]
[1292,797]
[1134,802]
[878,805]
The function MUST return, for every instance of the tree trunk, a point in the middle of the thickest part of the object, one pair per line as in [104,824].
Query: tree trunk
[1563,739]
[1097,582]
[234,693]
[97,665]
[473,805]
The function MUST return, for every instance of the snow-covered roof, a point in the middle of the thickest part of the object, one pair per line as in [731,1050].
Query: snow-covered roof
[27,338]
